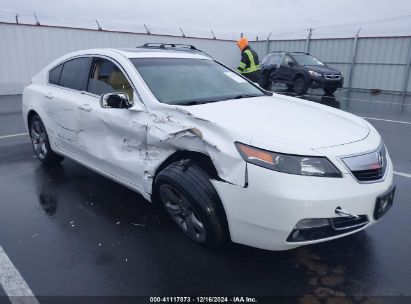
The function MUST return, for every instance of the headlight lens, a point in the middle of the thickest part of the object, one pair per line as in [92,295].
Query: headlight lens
[316,74]
[292,164]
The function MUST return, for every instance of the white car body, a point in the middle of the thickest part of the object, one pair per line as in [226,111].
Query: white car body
[262,206]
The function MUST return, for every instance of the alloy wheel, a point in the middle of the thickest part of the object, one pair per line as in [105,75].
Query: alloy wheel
[39,139]
[182,213]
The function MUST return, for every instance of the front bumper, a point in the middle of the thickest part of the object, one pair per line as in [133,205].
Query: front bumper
[321,82]
[264,214]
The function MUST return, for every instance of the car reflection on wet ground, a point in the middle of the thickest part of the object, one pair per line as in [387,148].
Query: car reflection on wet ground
[70,231]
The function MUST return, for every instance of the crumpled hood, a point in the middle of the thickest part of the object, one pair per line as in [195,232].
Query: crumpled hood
[285,121]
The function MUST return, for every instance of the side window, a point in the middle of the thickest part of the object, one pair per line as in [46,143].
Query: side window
[75,73]
[287,60]
[267,60]
[54,75]
[106,77]
[274,59]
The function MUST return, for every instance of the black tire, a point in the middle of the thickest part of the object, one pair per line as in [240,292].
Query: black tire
[330,91]
[268,86]
[41,144]
[300,86]
[189,197]
[265,82]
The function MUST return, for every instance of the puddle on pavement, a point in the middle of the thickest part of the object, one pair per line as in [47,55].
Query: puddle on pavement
[328,283]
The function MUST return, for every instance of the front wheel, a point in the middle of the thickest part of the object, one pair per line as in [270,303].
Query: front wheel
[41,144]
[265,80]
[192,202]
[300,87]
[329,91]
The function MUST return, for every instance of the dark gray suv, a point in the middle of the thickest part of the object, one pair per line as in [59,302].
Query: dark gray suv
[299,71]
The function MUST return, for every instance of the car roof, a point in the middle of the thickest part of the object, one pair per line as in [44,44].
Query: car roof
[130,53]
[140,52]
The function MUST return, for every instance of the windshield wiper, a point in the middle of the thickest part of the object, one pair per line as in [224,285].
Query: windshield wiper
[195,102]
[240,96]
[189,103]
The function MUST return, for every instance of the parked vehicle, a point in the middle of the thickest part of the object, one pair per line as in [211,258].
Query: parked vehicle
[299,71]
[228,160]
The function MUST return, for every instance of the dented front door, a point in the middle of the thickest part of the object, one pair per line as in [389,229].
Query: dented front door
[114,140]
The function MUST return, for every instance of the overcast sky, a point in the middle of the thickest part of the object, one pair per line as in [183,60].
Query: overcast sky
[285,18]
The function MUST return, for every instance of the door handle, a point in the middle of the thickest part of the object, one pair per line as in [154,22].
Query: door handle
[49,96]
[85,107]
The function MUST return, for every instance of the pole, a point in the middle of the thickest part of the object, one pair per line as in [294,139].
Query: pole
[147,30]
[307,43]
[182,33]
[268,43]
[37,20]
[98,26]
[17,18]
[212,33]
[407,72]
[354,57]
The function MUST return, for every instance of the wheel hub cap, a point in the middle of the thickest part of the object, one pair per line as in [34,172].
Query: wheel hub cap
[182,213]
[39,139]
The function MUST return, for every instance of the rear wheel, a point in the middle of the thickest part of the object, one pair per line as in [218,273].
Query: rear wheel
[329,91]
[41,144]
[300,87]
[192,202]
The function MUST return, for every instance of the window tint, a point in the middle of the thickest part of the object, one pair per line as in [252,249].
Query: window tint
[181,81]
[287,60]
[304,59]
[75,73]
[272,59]
[106,77]
[54,75]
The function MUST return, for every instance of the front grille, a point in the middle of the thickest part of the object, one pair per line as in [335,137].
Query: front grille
[369,175]
[338,226]
[368,167]
[345,222]
[333,76]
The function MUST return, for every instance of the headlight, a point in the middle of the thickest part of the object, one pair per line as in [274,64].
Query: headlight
[287,163]
[315,74]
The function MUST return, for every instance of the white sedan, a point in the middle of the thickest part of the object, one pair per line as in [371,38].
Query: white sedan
[228,160]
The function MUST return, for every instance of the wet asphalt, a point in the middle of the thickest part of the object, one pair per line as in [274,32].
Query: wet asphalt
[72,232]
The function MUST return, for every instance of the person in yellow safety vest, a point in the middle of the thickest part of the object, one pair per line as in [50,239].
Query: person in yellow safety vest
[249,65]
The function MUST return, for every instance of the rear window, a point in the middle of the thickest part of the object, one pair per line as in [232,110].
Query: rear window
[75,73]
[54,76]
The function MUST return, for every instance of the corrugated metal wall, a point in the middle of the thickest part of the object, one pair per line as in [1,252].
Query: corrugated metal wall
[381,63]
[26,49]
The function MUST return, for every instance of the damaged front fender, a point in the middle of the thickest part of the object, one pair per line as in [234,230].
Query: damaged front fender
[179,130]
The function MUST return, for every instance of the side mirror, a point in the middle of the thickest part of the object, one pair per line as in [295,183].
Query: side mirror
[115,101]
[291,63]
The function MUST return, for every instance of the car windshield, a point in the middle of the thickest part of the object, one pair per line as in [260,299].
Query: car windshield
[304,59]
[192,81]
